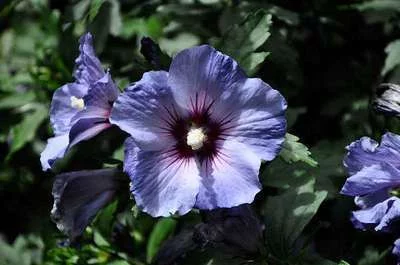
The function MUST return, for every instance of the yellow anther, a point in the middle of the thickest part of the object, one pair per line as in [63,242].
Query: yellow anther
[77,103]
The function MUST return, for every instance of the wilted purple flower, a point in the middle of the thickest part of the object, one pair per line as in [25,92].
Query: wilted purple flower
[234,231]
[80,110]
[374,178]
[79,195]
[198,133]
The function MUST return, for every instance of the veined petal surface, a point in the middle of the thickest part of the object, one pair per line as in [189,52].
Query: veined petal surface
[162,185]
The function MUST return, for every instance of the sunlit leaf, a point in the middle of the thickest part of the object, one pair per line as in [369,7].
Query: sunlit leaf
[26,250]
[393,57]
[161,231]
[293,151]
[373,257]
[380,5]
[286,216]
[105,218]
[25,131]
[16,100]
[249,36]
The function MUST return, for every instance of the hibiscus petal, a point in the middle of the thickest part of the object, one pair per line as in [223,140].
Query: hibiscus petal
[391,215]
[371,199]
[145,111]
[91,112]
[203,72]
[230,179]
[55,148]
[371,179]
[257,117]
[391,141]
[102,93]
[78,196]
[371,217]
[251,110]
[85,129]
[396,248]
[61,110]
[88,67]
[366,152]
[161,184]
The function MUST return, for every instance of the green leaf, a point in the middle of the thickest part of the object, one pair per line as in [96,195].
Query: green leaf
[293,151]
[105,219]
[342,262]
[280,175]
[25,131]
[25,250]
[116,19]
[379,5]
[373,257]
[393,57]
[249,36]
[107,21]
[287,214]
[94,8]
[253,60]
[313,259]
[99,239]
[16,100]
[163,228]
[119,262]
[179,42]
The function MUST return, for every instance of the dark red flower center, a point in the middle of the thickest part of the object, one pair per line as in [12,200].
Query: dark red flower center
[198,123]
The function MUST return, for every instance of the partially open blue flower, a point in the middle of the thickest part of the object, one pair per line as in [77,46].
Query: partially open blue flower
[198,133]
[80,110]
[374,177]
[80,195]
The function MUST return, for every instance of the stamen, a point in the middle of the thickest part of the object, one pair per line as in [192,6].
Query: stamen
[196,138]
[77,103]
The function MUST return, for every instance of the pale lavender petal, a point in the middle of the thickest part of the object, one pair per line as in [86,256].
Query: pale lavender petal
[145,111]
[102,93]
[91,112]
[367,152]
[204,72]
[396,248]
[55,148]
[391,141]
[230,179]
[249,109]
[79,195]
[371,179]
[85,129]
[255,116]
[392,215]
[371,217]
[161,184]
[371,199]
[88,67]
[62,109]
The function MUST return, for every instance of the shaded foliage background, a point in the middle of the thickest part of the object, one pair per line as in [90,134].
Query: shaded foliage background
[326,57]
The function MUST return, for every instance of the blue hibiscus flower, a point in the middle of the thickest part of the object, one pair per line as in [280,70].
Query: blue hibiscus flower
[80,110]
[374,178]
[198,133]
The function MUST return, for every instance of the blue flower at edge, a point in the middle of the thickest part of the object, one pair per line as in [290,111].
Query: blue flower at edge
[80,110]
[374,173]
[198,133]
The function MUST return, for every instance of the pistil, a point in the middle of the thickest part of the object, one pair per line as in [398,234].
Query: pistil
[196,138]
